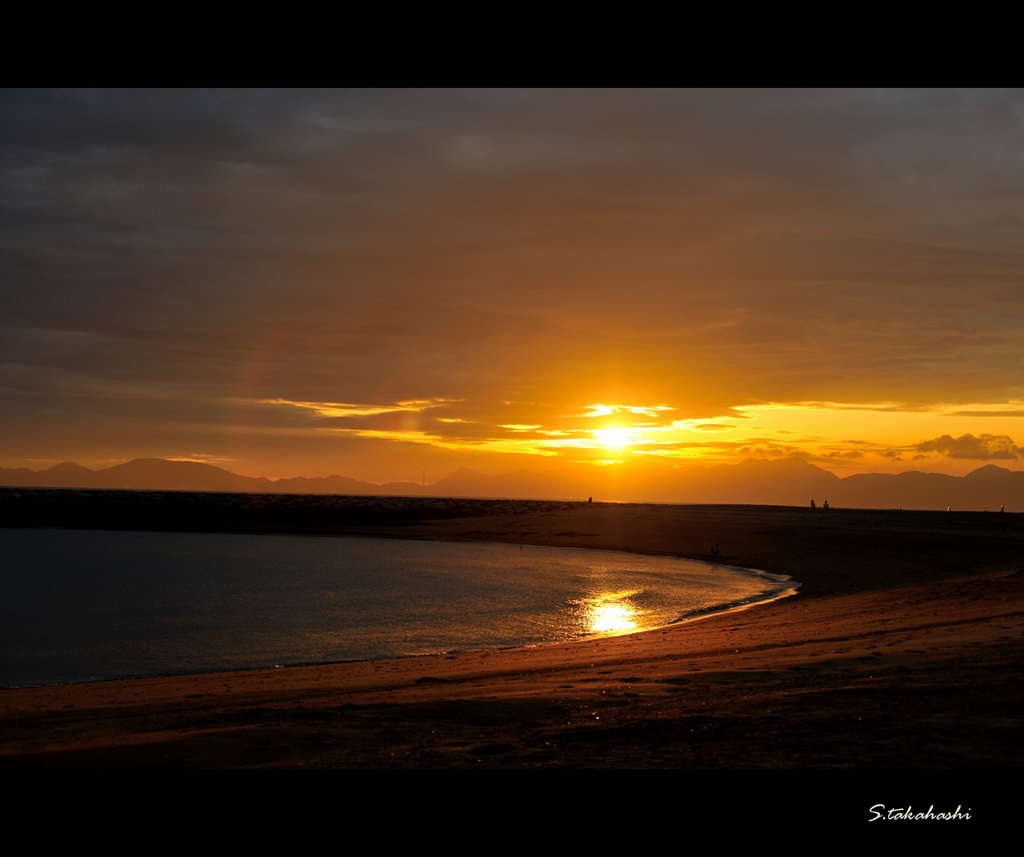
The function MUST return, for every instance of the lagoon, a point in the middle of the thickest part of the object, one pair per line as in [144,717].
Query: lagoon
[83,605]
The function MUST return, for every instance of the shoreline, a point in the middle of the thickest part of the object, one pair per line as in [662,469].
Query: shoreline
[726,609]
[905,650]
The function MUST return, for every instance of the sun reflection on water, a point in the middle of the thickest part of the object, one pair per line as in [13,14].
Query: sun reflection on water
[610,613]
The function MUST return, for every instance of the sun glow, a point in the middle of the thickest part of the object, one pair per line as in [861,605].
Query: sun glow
[843,437]
[614,438]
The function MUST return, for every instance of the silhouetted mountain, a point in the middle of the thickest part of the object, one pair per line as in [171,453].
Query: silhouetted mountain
[66,475]
[983,489]
[178,476]
[783,482]
[158,474]
[786,482]
[20,476]
[992,472]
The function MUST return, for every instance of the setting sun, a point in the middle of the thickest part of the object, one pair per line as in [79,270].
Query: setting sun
[614,438]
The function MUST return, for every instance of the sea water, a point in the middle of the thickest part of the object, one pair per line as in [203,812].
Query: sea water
[81,605]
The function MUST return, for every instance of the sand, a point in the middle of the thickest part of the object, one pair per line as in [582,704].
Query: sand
[904,649]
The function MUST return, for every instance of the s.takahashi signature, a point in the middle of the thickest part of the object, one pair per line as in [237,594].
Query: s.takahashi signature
[879,812]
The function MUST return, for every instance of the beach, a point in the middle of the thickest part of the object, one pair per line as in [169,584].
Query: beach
[904,648]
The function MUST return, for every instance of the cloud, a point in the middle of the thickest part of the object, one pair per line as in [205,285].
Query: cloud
[338,409]
[767,449]
[983,448]
[359,258]
[202,458]
[600,410]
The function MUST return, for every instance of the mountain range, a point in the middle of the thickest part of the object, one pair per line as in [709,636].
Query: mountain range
[787,481]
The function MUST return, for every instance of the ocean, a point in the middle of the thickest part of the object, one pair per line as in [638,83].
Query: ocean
[86,605]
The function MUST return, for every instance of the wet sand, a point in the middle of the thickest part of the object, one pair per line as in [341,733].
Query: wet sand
[903,650]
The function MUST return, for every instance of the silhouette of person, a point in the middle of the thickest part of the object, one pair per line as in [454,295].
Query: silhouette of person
[824,505]
[812,504]
[590,499]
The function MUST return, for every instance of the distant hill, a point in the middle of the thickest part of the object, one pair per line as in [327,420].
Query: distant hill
[983,489]
[158,474]
[786,482]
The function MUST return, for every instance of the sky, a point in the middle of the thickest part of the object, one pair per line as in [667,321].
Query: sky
[393,285]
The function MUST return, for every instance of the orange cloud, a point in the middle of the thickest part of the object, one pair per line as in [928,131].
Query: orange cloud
[986,447]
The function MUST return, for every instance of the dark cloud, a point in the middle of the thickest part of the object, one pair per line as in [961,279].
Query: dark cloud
[983,448]
[703,249]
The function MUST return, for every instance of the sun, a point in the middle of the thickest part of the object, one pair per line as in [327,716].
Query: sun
[613,438]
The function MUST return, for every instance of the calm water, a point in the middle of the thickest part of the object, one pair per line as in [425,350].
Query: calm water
[80,605]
